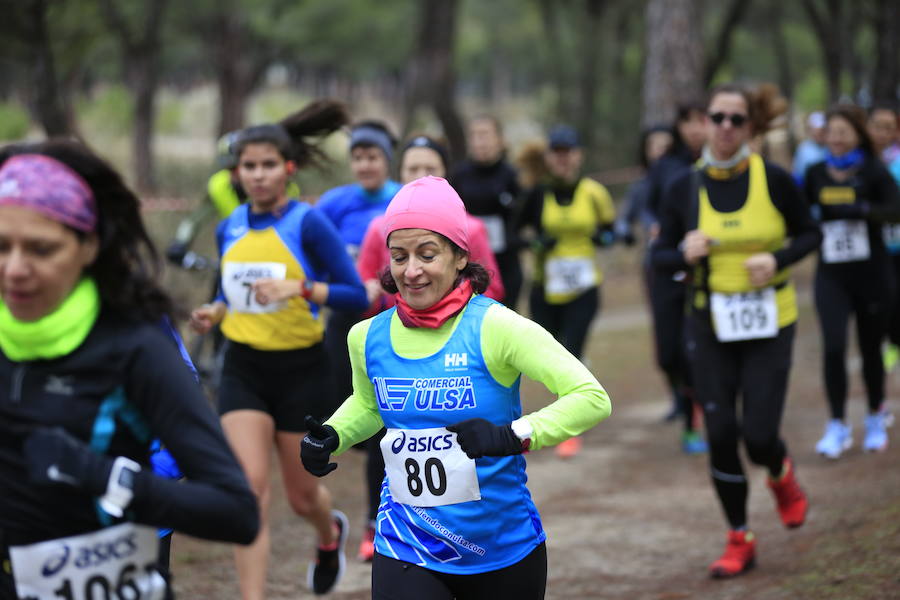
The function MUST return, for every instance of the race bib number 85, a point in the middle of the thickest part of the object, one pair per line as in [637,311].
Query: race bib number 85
[237,283]
[114,563]
[426,467]
[748,316]
[844,241]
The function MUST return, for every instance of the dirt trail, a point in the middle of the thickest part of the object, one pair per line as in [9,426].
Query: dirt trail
[631,517]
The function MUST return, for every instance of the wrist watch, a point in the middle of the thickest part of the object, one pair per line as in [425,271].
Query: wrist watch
[523,430]
[120,487]
[306,288]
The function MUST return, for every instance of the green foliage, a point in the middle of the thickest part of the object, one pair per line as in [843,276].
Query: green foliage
[110,110]
[169,114]
[14,121]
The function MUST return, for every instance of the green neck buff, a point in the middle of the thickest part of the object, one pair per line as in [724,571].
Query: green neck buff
[56,334]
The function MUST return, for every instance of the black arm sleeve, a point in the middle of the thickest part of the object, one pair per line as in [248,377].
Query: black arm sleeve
[801,227]
[665,253]
[532,206]
[885,206]
[215,501]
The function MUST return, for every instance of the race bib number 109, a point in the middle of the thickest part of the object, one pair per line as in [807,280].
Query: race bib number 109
[426,467]
[748,316]
[116,563]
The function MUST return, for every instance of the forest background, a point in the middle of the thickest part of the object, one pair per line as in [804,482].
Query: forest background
[153,83]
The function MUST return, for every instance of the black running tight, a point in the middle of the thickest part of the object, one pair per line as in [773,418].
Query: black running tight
[837,298]
[757,372]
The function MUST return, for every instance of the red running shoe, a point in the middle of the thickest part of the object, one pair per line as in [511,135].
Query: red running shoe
[739,556]
[789,497]
[569,448]
[367,546]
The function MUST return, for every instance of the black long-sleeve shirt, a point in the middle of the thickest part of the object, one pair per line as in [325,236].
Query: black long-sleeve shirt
[129,376]
[874,198]
[680,213]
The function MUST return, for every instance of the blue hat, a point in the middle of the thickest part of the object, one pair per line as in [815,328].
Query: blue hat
[563,136]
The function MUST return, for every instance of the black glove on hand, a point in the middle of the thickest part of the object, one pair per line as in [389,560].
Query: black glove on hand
[53,456]
[603,238]
[317,446]
[175,252]
[478,437]
[543,243]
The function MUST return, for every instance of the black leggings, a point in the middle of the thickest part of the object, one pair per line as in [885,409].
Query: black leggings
[869,302]
[393,579]
[894,327]
[569,323]
[511,274]
[757,370]
[667,301]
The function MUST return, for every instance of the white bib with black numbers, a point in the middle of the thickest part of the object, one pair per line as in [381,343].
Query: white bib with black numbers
[569,275]
[746,316]
[426,467]
[114,563]
[496,232]
[237,283]
[845,241]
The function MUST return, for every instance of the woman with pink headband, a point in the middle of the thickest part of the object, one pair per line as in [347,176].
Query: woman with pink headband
[441,371]
[92,381]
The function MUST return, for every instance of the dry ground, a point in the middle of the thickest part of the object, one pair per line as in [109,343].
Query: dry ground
[633,518]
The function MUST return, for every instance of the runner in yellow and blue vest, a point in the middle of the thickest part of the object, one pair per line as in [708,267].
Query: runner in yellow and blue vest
[282,260]
[223,194]
[441,370]
[728,224]
[572,215]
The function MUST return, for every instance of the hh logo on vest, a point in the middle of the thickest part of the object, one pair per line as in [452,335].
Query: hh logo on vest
[456,359]
[432,393]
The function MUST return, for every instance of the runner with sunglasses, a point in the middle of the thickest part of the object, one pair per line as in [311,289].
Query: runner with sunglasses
[853,195]
[727,223]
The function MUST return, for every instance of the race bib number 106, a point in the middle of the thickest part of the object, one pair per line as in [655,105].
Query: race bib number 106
[426,467]
[116,563]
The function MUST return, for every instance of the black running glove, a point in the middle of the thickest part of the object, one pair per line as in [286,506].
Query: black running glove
[53,456]
[317,446]
[175,252]
[479,437]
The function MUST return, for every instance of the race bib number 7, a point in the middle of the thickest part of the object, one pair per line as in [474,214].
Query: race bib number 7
[426,467]
[114,563]
[237,283]
[747,316]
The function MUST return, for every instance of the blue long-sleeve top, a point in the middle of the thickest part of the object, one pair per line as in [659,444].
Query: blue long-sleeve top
[351,208]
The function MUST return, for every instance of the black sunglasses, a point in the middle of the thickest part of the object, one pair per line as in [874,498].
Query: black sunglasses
[737,120]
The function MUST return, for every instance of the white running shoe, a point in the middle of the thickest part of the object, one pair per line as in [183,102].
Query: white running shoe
[876,439]
[837,438]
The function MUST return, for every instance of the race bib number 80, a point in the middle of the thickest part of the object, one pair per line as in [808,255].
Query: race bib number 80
[426,467]
[237,283]
[748,316]
[114,563]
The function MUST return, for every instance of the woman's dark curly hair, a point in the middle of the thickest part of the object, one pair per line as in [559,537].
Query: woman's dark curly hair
[473,271]
[127,266]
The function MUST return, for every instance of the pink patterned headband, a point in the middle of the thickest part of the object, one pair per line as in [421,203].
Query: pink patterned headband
[46,185]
